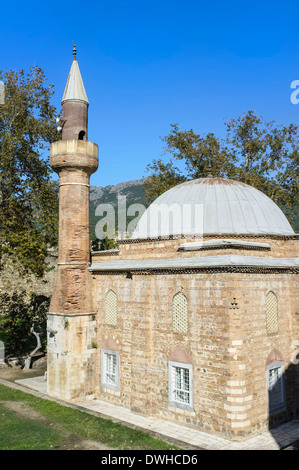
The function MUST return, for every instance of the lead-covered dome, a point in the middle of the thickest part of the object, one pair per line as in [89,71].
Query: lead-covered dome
[212,206]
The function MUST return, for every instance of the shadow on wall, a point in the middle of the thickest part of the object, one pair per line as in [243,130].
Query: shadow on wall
[283,396]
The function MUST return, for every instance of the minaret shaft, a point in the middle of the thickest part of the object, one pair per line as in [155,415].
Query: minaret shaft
[74,161]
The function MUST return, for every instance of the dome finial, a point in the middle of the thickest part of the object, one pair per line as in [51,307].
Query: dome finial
[74,51]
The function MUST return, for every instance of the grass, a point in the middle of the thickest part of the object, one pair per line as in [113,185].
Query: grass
[31,423]
[26,434]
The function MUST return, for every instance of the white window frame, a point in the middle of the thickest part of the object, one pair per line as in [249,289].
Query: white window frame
[104,381]
[280,366]
[172,400]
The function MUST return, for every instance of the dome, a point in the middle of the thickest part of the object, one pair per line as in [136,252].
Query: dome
[212,206]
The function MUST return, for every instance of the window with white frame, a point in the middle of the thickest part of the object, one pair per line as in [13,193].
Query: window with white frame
[110,369]
[275,384]
[180,385]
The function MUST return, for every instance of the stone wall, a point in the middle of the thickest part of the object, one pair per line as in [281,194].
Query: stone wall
[71,356]
[227,345]
[280,247]
[227,342]
[11,281]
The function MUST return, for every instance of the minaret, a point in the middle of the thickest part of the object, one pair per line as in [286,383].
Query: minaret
[71,321]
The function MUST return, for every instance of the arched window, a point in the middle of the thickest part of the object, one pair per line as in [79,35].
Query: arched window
[180,313]
[81,135]
[111,308]
[271,313]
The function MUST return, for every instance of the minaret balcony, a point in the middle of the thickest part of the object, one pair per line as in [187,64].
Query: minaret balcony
[72,154]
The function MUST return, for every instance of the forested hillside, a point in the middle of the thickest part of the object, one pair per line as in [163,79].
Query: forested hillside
[131,190]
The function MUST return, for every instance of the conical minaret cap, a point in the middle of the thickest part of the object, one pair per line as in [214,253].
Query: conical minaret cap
[74,90]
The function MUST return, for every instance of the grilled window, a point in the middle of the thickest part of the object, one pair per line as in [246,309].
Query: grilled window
[180,385]
[180,313]
[110,370]
[271,313]
[111,308]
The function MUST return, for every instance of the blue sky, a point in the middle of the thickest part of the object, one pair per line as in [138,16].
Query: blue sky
[146,65]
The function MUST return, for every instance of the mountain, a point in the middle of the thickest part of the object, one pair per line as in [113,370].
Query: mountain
[132,190]
[114,197]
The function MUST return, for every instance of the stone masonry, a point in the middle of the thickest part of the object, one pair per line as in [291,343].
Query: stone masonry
[110,325]
[227,342]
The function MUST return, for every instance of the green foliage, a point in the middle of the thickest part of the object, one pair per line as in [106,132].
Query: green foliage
[259,153]
[108,244]
[267,156]
[28,197]
[164,177]
[105,244]
[296,219]
[19,314]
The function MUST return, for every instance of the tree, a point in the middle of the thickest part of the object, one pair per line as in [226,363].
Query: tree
[267,156]
[21,315]
[105,243]
[259,153]
[28,197]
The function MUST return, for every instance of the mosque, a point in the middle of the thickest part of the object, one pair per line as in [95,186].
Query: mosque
[194,321]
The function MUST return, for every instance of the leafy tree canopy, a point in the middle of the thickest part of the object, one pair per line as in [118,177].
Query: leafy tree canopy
[28,197]
[262,154]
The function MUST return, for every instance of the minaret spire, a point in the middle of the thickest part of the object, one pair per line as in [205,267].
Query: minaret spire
[75,104]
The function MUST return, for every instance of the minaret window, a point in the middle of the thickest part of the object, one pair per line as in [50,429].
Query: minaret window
[81,135]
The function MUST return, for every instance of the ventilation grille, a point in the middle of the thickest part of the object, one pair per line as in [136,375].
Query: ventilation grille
[180,313]
[271,313]
[111,308]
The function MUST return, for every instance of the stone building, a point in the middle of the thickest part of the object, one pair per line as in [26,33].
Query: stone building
[194,320]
